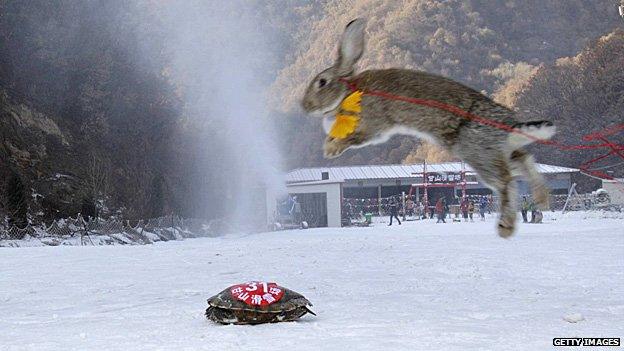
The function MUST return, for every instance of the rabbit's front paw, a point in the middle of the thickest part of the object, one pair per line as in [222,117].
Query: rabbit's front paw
[333,147]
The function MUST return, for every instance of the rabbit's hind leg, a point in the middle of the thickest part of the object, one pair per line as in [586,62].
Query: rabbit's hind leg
[522,161]
[497,175]
[486,154]
[508,195]
[507,217]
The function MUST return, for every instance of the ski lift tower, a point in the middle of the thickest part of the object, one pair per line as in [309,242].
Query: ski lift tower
[463,180]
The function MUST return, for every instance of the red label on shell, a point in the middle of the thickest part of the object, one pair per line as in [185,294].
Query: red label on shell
[257,293]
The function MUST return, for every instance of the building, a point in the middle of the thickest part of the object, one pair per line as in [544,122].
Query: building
[322,190]
[615,189]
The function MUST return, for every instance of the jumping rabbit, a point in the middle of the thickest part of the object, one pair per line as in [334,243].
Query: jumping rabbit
[361,119]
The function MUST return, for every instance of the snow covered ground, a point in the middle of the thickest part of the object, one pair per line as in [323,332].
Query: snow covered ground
[419,286]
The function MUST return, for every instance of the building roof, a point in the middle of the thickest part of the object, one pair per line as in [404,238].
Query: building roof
[614,180]
[392,171]
[317,182]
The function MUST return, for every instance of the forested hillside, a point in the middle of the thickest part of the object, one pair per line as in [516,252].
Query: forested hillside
[84,116]
[581,95]
[480,43]
[95,117]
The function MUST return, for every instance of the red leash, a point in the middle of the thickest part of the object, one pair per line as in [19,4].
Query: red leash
[616,149]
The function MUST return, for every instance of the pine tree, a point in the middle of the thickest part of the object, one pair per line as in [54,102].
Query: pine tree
[16,202]
[157,197]
[88,208]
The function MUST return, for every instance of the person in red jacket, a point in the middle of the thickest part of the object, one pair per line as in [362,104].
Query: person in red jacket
[464,209]
[439,210]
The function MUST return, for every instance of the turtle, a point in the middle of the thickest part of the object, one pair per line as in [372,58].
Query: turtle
[257,302]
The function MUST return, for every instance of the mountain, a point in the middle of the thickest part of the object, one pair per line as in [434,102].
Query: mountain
[95,110]
[83,115]
[482,44]
[582,94]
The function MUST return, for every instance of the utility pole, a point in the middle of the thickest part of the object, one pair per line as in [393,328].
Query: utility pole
[463,180]
[425,183]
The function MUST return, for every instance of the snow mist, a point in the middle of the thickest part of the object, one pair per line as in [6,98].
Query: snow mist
[222,56]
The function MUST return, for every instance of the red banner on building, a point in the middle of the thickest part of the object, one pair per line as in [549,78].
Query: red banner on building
[437,178]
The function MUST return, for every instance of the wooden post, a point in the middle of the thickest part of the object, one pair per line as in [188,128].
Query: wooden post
[571,193]
[403,201]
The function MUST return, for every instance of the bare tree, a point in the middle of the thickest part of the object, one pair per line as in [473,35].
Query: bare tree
[97,182]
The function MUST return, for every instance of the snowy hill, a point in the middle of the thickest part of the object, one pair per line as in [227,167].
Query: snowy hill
[419,286]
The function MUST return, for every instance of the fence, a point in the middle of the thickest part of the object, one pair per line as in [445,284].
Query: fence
[355,207]
[111,231]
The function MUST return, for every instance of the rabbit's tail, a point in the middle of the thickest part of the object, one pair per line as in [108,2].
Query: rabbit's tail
[530,132]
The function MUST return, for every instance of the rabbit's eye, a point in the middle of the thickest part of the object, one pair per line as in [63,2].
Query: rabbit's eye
[322,82]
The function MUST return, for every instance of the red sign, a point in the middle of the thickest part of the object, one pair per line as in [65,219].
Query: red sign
[257,293]
[448,177]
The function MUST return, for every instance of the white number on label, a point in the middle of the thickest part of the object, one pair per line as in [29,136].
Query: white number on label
[251,286]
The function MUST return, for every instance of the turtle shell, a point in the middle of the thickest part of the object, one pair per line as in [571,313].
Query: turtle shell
[256,303]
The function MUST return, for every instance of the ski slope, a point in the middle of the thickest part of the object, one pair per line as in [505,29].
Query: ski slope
[419,286]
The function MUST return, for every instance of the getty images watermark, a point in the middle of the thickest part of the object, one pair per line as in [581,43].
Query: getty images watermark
[586,341]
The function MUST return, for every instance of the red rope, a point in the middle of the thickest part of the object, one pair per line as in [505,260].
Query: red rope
[616,149]
[603,133]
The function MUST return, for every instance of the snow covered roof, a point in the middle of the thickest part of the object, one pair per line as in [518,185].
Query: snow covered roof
[392,171]
[317,182]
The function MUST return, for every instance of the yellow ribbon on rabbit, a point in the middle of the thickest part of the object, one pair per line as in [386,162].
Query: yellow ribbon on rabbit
[348,116]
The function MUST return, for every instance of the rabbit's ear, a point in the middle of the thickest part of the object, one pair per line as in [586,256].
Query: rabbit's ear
[351,47]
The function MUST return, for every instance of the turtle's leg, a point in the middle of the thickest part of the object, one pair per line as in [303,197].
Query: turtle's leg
[296,314]
[220,315]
